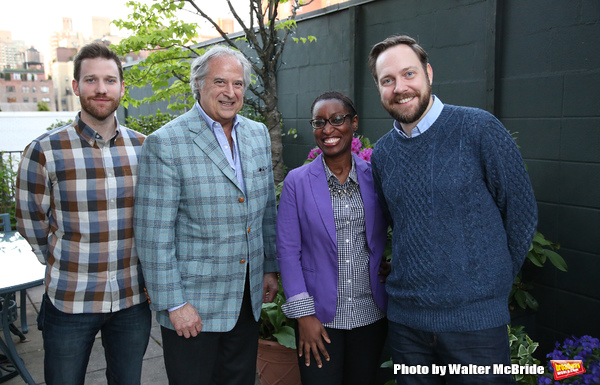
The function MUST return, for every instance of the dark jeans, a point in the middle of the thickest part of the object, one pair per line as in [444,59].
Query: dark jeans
[483,348]
[68,341]
[354,355]
[221,358]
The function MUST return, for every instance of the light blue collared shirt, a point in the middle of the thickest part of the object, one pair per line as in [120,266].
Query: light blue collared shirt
[233,154]
[427,121]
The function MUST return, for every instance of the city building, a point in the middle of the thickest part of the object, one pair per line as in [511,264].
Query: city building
[62,76]
[11,51]
[21,89]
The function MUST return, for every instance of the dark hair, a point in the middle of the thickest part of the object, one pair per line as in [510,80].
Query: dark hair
[391,42]
[92,51]
[328,95]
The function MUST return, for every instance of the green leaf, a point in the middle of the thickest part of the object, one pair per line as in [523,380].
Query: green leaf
[534,258]
[387,364]
[520,298]
[286,337]
[556,260]
[530,301]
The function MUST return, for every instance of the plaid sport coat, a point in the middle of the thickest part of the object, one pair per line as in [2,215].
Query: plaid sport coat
[196,232]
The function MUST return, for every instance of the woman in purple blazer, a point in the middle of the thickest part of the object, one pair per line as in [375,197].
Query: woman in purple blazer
[331,234]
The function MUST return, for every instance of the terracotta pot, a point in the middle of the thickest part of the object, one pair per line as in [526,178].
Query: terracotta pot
[276,364]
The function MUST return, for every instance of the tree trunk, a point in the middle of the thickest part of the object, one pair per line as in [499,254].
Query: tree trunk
[273,122]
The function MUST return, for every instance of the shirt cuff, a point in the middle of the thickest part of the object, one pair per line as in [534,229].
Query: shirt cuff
[177,307]
[299,308]
[298,296]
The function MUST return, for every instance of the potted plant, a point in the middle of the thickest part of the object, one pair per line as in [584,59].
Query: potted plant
[276,361]
[521,353]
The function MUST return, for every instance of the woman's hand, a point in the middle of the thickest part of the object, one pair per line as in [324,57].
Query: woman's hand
[385,268]
[311,335]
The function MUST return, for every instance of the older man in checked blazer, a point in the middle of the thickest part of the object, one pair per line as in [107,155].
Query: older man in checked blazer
[205,227]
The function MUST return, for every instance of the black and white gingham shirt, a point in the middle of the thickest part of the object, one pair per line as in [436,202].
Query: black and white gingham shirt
[355,304]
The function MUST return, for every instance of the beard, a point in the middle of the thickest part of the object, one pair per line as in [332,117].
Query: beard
[99,112]
[409,116]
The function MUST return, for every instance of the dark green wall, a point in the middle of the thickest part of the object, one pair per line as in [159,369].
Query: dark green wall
[549,77]
[534,64]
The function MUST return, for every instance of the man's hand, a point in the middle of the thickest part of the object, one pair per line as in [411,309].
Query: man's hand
[186,320]
[311,335]
[270,287]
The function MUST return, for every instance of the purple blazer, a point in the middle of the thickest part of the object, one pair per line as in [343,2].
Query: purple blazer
[307,241]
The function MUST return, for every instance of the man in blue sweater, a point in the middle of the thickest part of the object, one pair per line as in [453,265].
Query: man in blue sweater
[455,188]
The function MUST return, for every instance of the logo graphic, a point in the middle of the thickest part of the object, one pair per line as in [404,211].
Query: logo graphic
[567,368]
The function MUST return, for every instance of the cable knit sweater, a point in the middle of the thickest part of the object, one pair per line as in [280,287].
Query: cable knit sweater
[463,214]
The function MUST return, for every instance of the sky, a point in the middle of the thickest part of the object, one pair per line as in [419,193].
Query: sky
[34,20]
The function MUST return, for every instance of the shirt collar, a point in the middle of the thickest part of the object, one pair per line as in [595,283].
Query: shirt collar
[90,135]
[425,123]
[211,123]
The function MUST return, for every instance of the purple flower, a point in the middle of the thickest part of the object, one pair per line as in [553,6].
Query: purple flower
[356,145]
[366,154]
[313,153]
[586,349]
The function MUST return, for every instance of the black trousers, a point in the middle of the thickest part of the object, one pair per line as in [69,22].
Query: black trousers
[354,357]
[214,358]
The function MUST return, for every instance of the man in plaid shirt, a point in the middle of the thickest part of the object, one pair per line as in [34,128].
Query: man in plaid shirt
[75,190]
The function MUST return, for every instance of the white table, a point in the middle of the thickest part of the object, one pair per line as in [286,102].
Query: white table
[19,270]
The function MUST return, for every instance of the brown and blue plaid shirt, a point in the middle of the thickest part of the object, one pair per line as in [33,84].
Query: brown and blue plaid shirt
[75,207]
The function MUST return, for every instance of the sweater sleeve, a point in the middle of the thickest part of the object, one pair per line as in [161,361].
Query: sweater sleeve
[509,184]
[376,170]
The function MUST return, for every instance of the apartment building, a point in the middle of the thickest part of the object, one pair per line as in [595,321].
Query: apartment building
[21,90]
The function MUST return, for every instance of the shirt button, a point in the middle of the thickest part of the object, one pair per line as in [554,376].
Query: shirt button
[241,199]
[347,240]
[243,261]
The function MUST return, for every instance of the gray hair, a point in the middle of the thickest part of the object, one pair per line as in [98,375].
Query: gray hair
[200,67]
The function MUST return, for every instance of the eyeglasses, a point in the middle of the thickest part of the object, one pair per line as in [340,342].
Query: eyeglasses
[318,124]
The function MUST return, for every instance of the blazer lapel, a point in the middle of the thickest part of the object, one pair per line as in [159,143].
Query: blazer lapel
[365,181]
[206,140]
[244,142]
[322,197]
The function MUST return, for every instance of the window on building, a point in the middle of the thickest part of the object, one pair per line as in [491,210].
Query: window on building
[45,90]
[47,100]
[25,100]
[10,89]
[12,99]
[35,100]
[25,90]
[34,90]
